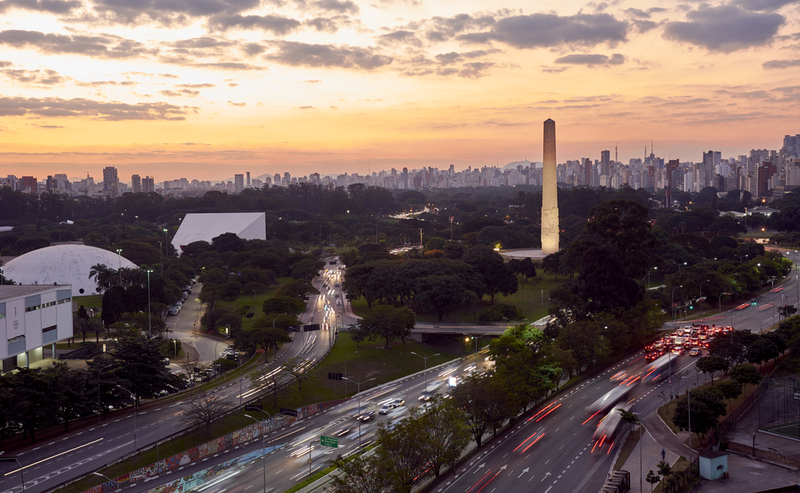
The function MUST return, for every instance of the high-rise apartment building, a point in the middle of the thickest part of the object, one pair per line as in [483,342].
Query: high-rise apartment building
[765,173]
[238,183]
[51,184]
[136,184]
[29,184]
[792,144]
[148,184]
[110,180]
[248,179]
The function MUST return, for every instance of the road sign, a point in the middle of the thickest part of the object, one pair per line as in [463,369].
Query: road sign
[329,441]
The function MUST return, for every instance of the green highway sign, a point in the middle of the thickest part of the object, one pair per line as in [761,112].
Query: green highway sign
[329,441]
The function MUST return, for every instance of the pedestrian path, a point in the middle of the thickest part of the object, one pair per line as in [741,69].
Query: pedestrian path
[645,457]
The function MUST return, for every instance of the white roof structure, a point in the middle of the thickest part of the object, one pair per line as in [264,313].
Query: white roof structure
[63,264]
[205,227]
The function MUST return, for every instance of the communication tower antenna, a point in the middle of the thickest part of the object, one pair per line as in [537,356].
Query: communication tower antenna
[616,154]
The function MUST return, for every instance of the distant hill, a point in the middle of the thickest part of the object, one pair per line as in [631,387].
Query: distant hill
[524,164]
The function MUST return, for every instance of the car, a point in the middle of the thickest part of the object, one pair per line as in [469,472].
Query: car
[367,416]
[677,350]
[397,402]
[696,351]
[385,409]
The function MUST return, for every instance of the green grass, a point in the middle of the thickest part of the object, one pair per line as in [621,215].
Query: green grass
[93,301]
[630,446]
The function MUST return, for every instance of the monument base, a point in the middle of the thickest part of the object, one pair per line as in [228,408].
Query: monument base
[533,254]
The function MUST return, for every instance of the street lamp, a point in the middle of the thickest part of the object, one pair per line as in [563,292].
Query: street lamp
[149,323]
[134,414]
[99,399]
[701,286]
[426,365]
[648,276]
[217,363]
[345,372]
[719,301]
[689,408]
[137,221]
[359,405]
[263,445]
[116,483]
[673,300]
[476,345]
[119,265]
[22,476]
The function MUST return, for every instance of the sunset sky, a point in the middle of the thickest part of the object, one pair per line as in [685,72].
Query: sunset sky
[208,88]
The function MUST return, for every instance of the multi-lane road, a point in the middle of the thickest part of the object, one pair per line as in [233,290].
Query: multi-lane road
[47,465]
[550,452]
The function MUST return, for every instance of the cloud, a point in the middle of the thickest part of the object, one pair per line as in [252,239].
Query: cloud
[725,29]
[101,110]
[49,6]
[316,55]
[236,104]
[644,14]
[399,37]
[344,7]
[773,64]
[763,5]
[275,24]
[549,30]
[100,83]
[196,86]
[591,59]
[100,46]
[180,93]
[305,107]
[445,28]
[475,69]
[314,81]
[642,26]
[168,11]
[45,77]
[49,127]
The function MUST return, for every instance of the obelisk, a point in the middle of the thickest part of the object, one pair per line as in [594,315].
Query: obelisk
[549,190]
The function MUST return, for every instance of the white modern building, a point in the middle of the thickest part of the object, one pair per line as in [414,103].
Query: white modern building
[32,317]
[64,265]
[206,227]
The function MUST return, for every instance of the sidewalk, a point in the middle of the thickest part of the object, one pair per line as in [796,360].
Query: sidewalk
[650,451]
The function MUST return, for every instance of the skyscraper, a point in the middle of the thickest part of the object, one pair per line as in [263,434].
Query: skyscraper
[136,184]
[549,190]
[238,183]
[605,163]
[148,185]
[110,180]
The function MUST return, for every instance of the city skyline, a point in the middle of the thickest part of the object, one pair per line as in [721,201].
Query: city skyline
[337,86]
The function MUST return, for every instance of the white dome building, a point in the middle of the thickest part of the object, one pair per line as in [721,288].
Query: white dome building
[63,264]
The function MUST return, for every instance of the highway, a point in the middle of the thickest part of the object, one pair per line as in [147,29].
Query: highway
[78,453]
[552,451]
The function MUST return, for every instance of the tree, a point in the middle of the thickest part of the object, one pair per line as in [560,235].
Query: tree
[361,474]
[388,322]
[761,350]
[441,433]
[731,389]
[712,365]
[202,410]
[399,451]
[140,365]
[113,304]
[283,304]
[230,291]
[786,311]
[652,478]
[297,368]
[586,340]
[441,294]
[498,277]
[745,374]
[707,407]
[485,402]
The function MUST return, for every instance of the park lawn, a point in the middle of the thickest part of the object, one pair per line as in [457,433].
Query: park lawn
[92,301]
[532,298]
[370,361]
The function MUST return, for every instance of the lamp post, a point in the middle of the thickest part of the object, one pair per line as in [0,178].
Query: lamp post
[359,405]
[216,359]
[345,373]
[648,276]
[166,244]
[137,221]
[99,399]
[673,300]
[701,286]
[426,365]
[116,483]
[161,252]
[719,301]
[149,323]
[476,345]
[263,446]
[22,476]
[134,414]
[689,408]
[119,266]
